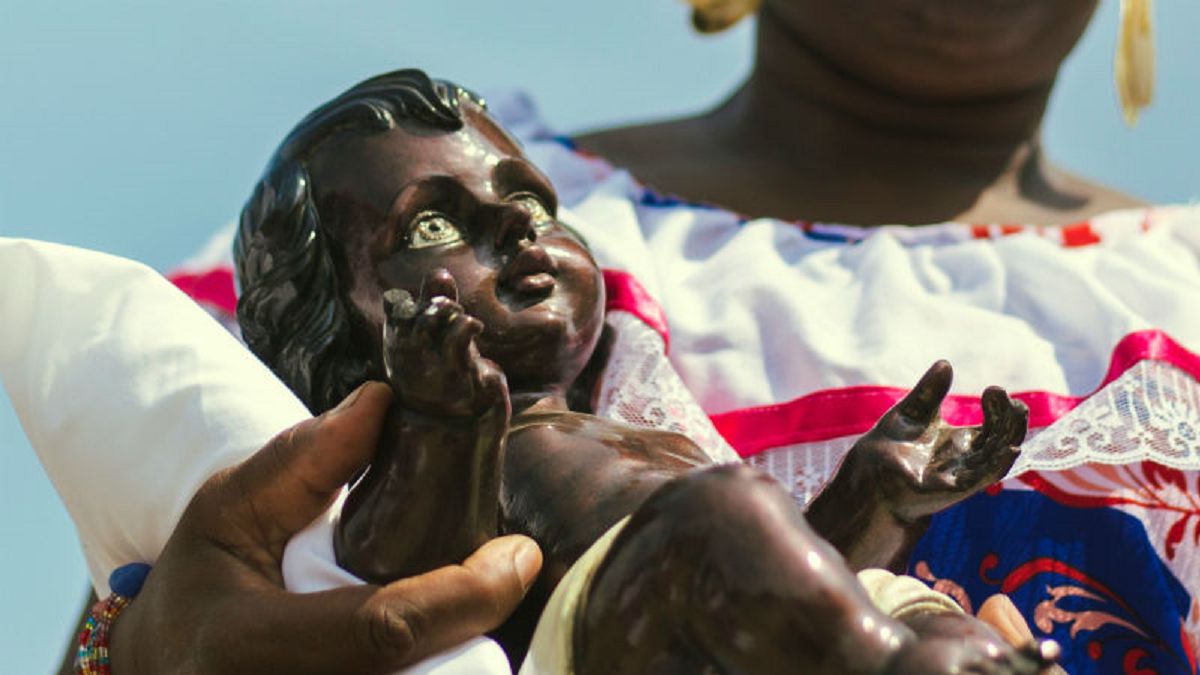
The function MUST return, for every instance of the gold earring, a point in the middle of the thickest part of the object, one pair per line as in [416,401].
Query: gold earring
[714,16]
[1134,67]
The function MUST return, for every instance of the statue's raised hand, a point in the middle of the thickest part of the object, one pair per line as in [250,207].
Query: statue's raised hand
[910,465]
[922,465]
[430,355]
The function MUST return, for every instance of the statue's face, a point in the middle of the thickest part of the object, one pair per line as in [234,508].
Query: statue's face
[940,49]
[400,204]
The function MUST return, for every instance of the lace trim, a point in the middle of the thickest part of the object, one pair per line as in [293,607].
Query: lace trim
[1150,413]
[803,468]
[640,387]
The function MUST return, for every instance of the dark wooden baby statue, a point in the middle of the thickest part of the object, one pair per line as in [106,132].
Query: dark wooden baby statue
[399,234]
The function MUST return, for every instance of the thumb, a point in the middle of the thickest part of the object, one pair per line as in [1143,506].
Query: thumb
[298,474]
[922,405]
[411,619]
[439,282]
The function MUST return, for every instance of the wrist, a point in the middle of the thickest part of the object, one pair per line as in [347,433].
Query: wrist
[863,526]
[122,641]
[845,503]
[425,414]
[99,650]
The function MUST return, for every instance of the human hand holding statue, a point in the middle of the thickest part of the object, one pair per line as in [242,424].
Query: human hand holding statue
[215,603]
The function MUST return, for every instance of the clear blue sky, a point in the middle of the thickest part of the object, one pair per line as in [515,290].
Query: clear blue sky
[139,127]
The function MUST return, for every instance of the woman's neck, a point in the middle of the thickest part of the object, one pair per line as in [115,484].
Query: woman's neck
[806,139]
[900,158]
[797,103]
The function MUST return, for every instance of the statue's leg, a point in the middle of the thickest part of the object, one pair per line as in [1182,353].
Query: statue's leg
[719,572]
[720,568]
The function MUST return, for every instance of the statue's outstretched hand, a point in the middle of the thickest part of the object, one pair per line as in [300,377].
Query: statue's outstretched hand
[922,465]
[430,354]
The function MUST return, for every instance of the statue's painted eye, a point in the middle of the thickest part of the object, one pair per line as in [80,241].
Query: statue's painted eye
[431,228]
[538,214]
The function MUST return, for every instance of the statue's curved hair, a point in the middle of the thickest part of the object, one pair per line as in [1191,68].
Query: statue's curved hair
[291,308]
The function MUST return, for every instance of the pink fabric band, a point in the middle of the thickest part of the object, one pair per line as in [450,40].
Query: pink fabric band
[834,413]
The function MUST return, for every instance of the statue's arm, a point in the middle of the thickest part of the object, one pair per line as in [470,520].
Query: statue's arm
[849,514]
[430,496]
[428,499]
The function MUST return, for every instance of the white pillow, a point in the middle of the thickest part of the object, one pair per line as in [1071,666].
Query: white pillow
[130,394]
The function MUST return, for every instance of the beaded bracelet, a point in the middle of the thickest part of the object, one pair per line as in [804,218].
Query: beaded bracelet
[92,656]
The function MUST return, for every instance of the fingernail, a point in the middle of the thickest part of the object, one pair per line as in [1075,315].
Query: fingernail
[528,561]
